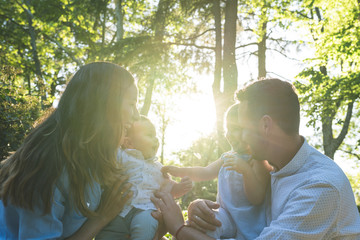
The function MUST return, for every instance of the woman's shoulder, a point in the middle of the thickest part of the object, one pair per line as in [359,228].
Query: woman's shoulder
[62,185]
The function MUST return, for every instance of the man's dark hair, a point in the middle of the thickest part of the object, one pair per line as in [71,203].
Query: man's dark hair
[275,98]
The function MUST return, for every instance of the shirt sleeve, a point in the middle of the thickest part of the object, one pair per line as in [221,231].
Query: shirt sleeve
[36,225]
[309,213]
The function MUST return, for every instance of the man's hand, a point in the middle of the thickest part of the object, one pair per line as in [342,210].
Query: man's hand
[170,211]
[201,215]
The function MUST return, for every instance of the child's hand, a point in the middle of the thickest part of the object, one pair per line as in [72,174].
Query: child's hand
[237,164]
[172,170]
[181,188]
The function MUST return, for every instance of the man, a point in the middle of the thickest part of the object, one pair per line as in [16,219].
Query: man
[311,198]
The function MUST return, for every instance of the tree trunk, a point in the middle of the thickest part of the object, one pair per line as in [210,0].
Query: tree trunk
[148,95]
[229,64]
[119,20]
[223,99]
[218,67]
[103,29]
[262,53]
[164,124]
[33,37]
[159,28]
[27,77]
[330,143]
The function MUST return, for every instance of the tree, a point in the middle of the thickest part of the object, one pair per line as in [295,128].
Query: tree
[18,111]
[330,86]
[35,40]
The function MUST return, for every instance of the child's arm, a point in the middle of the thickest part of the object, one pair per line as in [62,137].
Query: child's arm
[195,173]
[261,170]
[256,178]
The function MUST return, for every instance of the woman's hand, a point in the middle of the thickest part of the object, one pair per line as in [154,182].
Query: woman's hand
[170,211]
[112,202]
[201,215]
[114,198]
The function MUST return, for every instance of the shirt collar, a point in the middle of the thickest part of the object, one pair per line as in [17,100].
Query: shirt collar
[296,162]
[138,155]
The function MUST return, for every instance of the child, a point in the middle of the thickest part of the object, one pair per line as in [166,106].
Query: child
[140,163]
[240,192]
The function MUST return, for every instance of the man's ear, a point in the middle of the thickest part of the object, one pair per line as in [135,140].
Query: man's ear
[267,124]
[127,143]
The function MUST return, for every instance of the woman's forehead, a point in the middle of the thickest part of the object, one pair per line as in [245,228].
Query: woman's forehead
[131,92]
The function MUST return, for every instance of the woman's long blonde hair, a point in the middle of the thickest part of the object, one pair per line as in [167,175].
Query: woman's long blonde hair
[80,136]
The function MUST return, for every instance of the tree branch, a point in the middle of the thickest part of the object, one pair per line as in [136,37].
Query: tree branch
[189,45]
[23,27]
[68,52]
[345,127]
[351,153]
[272,49]
[281,40]
[280,76]
[199,35]
[246,45]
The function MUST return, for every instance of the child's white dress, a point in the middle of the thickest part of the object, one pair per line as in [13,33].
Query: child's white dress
[144,175]
[135,220]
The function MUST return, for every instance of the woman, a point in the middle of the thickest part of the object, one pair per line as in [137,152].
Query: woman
[64,181]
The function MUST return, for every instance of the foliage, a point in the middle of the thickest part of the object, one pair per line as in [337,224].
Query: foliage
[355,184]
[18,112]
[330,85]
[202,152]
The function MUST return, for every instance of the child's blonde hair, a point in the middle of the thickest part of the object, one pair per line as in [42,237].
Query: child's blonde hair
[231,116]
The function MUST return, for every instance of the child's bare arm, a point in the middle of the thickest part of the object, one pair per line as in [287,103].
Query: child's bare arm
[195,173]
[255,176]
[256,181]
[261,171]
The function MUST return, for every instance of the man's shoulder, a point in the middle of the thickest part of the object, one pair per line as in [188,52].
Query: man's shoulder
[320,169]
[322,165]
